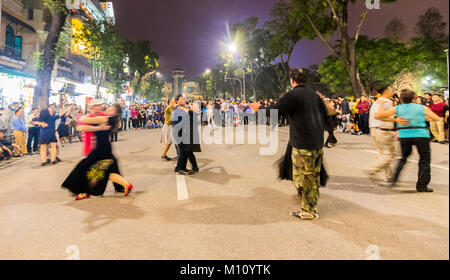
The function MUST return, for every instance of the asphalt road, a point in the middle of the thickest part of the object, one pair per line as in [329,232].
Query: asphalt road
[235,208]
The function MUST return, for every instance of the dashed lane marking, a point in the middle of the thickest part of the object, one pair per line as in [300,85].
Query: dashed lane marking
[182,192]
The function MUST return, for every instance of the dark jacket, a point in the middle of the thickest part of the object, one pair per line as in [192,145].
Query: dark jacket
[306,113]
[185,130]
[345,107]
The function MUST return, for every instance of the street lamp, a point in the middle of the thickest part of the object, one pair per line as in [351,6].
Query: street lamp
[208,71]
[232,48]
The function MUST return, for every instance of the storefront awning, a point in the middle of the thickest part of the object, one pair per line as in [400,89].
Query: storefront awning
[17,21]
[15,72]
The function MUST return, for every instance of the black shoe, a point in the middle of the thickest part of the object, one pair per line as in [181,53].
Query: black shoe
[193,171]
[180,172]
[58,159]
[44,164]
[425,190]
[48,161]
[54,162]
[166,158]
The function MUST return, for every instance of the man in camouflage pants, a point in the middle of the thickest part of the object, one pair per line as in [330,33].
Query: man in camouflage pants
[306,113]
[306,177]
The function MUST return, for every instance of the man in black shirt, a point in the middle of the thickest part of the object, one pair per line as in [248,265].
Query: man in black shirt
[306,113]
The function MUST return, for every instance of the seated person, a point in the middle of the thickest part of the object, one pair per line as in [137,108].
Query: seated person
[157,124]
[6,147]
[150,124]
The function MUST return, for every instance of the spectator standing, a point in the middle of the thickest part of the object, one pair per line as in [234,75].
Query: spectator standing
[437,126]
[363,110]
[33,131]
[19,129]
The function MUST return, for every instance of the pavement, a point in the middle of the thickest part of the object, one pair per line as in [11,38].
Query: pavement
[235,208]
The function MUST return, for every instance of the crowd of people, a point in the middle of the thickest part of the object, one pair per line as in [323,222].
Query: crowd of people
[388,117]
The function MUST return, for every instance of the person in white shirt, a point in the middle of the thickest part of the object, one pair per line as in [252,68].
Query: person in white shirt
[383,134]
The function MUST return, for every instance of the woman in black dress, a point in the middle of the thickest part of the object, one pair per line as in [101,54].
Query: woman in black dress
[92,174]
[63,128]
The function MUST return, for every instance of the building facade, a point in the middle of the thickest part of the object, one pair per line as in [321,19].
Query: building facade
[19,40]
[178,76]
[20,23]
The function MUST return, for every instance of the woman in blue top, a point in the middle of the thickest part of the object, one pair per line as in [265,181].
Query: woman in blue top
[413,134]
[19,129]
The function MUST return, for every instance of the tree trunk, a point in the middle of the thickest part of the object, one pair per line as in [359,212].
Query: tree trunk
[43,79]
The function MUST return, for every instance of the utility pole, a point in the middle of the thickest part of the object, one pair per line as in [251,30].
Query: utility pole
[243,84]
[236,79]
[448,78]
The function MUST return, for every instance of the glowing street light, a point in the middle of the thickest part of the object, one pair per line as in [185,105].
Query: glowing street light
[208,71]
[232,48]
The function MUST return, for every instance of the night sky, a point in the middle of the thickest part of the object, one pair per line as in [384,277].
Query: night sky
[187,33]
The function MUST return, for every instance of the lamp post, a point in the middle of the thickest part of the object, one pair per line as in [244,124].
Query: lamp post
[448,78]
[233,49]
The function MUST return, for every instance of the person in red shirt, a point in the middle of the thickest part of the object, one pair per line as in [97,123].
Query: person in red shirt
[363,109]
[437,127]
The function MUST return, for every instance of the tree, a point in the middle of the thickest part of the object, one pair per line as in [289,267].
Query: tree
[321,19]
[378,60]
[382,60]
[335,75]
[395,30]
[431,25]
[142,62]
[105,48]
[253,42]
[285,32]
[47,60]
[428,48]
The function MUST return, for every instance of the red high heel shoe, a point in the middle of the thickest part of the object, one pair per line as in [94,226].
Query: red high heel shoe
[128,189]
[82,196]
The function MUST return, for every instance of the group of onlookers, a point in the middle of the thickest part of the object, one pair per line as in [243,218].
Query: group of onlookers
[143,116]
[39,131]
[353,114]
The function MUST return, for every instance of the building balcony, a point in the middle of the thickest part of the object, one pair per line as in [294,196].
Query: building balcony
[14,5]
[11,57]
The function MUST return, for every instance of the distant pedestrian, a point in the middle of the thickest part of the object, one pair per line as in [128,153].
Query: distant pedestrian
[33,131]
[19,129]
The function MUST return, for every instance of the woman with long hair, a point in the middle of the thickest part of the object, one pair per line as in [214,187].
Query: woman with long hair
[92,174]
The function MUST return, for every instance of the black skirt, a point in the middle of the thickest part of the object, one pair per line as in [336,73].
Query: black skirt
[91,176]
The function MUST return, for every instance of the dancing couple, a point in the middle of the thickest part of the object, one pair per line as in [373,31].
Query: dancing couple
[92,174]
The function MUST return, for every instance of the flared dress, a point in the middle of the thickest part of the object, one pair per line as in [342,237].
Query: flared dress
[91,175]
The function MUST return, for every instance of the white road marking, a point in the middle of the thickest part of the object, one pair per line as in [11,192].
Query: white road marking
[182,192]
[411,160]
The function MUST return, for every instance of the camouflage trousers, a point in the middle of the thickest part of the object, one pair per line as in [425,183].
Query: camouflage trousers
[306,166]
